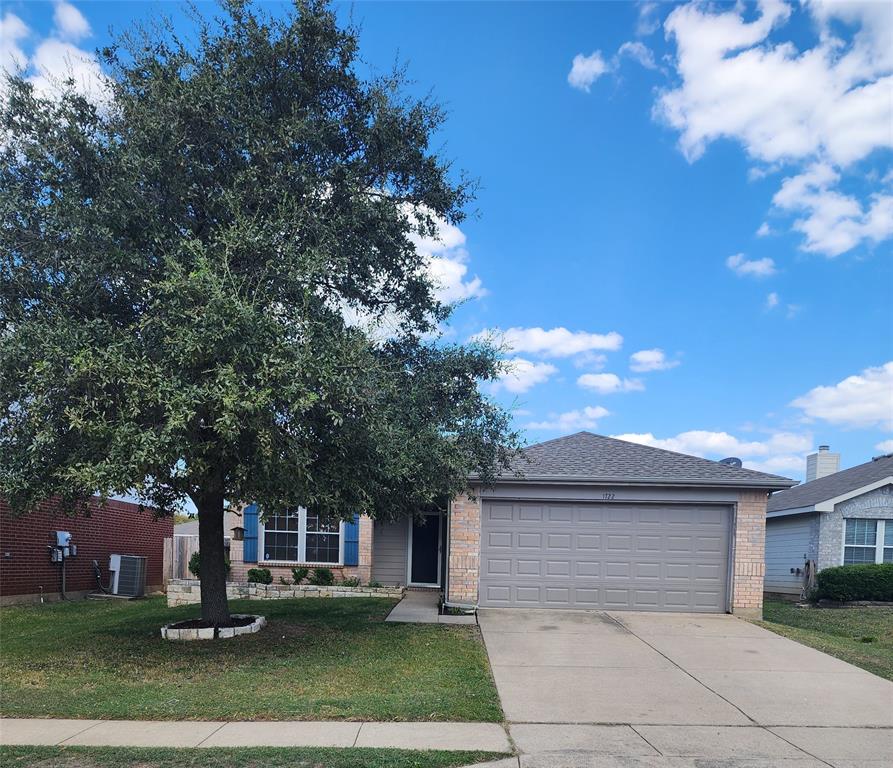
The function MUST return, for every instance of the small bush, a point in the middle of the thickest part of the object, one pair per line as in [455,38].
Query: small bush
[299,574]
[195,564]
[322,577]
[284,582]
[374,584]
[353,581]
[260,576]
[869,581]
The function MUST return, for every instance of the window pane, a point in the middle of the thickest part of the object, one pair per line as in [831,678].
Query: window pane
[855,555]
[322,548]
[888,533]
[280,546]
[888,554]
[314,523]
[861,532]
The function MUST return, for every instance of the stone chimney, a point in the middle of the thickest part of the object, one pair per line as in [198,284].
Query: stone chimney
[822,463]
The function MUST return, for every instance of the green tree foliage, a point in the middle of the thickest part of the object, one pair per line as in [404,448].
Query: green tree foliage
[209,288]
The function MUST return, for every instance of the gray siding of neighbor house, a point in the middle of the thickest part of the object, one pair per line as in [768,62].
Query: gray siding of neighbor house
[390,545]
[790,542]
[874,505]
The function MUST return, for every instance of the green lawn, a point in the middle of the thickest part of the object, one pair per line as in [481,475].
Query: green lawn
[316,659]
[861,636]
[268,757]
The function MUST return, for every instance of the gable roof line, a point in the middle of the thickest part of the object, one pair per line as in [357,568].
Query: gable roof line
[584,457]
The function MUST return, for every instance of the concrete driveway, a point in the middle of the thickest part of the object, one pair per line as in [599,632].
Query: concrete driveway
[655,689]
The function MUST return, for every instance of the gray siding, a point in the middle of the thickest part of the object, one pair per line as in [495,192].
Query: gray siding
[790,542]
[390,544]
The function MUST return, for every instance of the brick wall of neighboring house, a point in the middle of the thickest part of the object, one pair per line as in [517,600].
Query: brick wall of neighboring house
[750,548]
[465,550]
[115,527]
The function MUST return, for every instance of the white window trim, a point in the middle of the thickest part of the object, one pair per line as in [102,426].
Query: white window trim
[878,539]
[302,545]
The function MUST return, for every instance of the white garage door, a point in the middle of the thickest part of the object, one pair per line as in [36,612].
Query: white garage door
[644,557]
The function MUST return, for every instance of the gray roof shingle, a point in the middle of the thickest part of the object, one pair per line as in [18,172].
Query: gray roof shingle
[585,456]
[828,487]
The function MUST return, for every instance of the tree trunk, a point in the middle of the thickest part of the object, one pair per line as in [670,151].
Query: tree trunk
[215,608]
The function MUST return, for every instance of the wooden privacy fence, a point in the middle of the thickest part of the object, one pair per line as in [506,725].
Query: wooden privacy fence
[177,551]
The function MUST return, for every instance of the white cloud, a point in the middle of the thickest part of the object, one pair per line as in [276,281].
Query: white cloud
[764,230]
[586,70]
[70,22]
[863,400]
[833,223]
[521,375]
[780,452]
[648,22]
[586,418]
[594,361]
[650,360]
[740,79]
[53,61]
[638,52]
[772,300]
[744,267]
[885,446]
[447,263]
[609,383]
[12,30]
[555,342]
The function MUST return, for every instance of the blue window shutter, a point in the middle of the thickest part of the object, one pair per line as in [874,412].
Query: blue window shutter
[352,541]
[249,547]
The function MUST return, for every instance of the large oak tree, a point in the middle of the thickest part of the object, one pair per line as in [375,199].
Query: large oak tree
[209,286]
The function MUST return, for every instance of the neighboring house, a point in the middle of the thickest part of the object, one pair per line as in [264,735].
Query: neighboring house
[843,518]
[111,527]
[593,522]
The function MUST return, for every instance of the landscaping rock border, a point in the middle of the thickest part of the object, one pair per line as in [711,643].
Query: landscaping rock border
[188,591]
[169,632]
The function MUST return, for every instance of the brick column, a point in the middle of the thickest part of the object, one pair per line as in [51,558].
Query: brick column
[465,550]
[750,555]
[364,562]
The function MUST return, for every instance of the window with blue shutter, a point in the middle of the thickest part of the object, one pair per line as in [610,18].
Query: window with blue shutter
[249,547]
[352,541]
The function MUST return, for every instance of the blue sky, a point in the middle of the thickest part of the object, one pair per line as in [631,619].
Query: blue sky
[685,223]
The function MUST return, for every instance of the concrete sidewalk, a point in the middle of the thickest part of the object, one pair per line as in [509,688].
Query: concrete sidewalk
[488,737]
[422,607]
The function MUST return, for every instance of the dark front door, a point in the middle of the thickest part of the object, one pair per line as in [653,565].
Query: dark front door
[425,553]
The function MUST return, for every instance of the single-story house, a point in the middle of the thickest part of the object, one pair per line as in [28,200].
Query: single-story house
[840,519]
[590,522]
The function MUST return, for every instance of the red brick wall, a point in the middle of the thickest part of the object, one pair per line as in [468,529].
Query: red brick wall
[116,527]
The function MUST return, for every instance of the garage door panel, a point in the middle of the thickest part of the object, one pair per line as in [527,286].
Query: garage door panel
[642,557]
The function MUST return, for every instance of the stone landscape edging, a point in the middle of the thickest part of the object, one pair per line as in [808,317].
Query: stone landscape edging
[188,591]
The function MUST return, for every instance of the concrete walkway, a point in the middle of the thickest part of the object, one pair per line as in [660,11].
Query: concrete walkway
[636,689]
[489,737]
[422,607]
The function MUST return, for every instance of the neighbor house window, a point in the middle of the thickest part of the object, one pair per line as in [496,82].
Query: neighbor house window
[298,536]
[868,541]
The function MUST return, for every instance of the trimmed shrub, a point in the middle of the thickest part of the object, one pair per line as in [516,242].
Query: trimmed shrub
[353,581]
[195,564]
[322,577]
[299,574]
[868,581]
[260,576]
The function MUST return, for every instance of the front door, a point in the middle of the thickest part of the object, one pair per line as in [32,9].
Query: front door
[424,551]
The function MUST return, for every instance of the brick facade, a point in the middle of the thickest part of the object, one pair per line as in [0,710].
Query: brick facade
[874,505]
[465,550]
[364,568]
[749,567]
[115,527]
